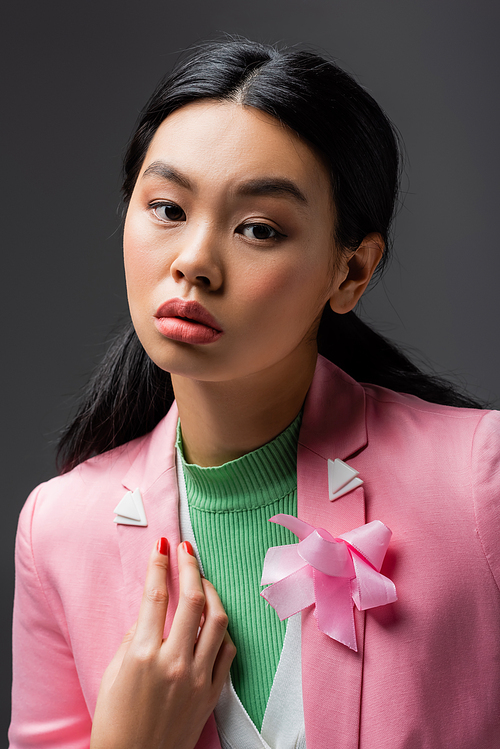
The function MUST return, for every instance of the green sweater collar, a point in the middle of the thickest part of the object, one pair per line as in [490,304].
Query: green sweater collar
[254,480]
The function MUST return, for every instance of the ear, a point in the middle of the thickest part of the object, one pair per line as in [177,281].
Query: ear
[355,274]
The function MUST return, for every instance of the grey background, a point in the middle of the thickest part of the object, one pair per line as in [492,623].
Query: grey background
[75,76]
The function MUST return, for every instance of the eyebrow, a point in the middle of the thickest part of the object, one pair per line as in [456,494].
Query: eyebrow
[160,169]
[273,186]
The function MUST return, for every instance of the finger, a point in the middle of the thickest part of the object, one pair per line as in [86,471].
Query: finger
[191,604]
[127,639]
[225,657]
[115,664]
[151,621]
[214,626]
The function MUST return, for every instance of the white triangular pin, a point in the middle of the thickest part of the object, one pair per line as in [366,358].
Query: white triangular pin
[126,507]
[341,479]
[130,510]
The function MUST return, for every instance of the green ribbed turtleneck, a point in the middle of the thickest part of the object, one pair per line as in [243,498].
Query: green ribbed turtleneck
[229,507]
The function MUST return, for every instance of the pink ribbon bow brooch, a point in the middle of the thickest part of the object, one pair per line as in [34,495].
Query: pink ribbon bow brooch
[331,573]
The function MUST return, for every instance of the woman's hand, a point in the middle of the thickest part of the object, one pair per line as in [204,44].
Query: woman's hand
[156,693]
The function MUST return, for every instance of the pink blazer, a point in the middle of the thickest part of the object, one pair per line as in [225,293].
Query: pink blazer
[427,673]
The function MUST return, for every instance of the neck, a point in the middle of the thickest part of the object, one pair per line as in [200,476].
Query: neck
[222,421]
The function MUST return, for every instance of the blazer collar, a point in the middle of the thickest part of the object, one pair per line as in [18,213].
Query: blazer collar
[153,473]
[333,426]
[334,413]
[156,454]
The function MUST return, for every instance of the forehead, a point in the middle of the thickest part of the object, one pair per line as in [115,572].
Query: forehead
[235,142]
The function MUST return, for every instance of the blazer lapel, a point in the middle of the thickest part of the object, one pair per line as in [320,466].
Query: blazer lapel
[153,473]
[333,426]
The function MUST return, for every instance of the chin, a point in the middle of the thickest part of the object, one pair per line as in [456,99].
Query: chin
[185,360]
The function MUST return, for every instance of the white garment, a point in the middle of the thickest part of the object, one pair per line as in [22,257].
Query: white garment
[283,724]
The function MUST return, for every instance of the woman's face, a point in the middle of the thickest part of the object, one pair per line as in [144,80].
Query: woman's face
[232,214]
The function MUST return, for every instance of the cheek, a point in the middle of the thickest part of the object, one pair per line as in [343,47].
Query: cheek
[267,288]
[141,262]
[293,295]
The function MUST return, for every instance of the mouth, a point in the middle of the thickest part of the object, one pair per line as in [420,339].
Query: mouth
[187,321]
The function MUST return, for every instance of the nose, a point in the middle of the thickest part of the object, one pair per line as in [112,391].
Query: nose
[198,262]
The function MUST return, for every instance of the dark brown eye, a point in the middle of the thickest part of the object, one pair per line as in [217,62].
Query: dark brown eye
[260,231]
[169,212]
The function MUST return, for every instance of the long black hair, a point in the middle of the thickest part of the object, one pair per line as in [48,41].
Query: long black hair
[320,102]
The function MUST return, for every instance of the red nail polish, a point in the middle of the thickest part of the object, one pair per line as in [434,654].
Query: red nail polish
[187,547]
[162,546]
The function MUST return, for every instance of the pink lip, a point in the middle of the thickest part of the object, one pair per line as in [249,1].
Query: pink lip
[187,321]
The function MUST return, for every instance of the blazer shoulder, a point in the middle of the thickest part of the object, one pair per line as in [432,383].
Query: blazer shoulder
[76,501]
[391,399]
[485,459]
[413,428]
[460,448]
[81,502]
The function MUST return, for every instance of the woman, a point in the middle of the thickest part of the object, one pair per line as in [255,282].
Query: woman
[260,186]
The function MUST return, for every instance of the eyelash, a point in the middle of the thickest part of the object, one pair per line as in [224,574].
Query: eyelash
[154,207]
[275,237]
[275,234]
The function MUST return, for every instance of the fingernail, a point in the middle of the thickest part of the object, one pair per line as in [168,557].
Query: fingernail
[188,548]
[162,546]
